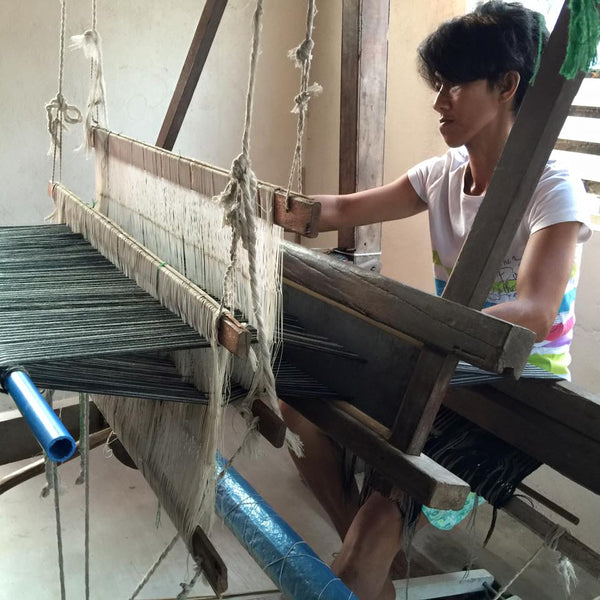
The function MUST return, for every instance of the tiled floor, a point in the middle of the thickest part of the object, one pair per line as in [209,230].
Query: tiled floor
[125,539]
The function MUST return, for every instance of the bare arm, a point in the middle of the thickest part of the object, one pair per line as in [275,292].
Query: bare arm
[543,276]
[395,200]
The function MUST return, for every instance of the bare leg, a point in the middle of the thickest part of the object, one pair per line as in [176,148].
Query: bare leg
[321,469]
[372,542]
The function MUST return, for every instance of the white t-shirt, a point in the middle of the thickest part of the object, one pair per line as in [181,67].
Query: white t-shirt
[559,197]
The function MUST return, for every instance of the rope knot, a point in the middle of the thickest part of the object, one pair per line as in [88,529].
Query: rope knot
[301,100]
[240,168]
[59,112]
[302,54]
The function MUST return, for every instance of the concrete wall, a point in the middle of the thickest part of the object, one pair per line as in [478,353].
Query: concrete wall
[145,42]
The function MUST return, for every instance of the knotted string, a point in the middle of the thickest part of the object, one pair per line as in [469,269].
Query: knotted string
[302,57]
[59,112]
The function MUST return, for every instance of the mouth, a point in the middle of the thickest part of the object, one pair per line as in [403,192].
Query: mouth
[445,120]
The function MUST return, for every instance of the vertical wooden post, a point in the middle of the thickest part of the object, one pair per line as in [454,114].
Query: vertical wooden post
[362,115]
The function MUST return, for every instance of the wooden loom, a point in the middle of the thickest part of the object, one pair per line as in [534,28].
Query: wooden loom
[553,422]
[426,335]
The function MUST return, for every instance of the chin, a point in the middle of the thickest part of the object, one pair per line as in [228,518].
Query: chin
[453,143]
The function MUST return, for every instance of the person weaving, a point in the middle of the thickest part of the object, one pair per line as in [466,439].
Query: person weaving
[479,66]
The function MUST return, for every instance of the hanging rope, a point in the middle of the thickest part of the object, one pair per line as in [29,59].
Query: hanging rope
[550,542]
[59,112]
[302,56]
[239,202]
[61,564]
[153,568]
[84,477]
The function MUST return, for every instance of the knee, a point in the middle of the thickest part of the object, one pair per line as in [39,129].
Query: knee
[378,520]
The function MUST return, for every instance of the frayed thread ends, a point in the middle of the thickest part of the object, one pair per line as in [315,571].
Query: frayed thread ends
[96,114]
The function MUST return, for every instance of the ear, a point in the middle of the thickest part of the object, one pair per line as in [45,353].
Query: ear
[507,85]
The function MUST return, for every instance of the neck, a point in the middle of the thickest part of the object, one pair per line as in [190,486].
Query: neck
[484,154]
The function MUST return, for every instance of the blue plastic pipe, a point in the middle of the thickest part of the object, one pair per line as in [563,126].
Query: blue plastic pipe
[288,560]
[51,434]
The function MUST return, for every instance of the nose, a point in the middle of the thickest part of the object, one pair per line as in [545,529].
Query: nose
[442,100]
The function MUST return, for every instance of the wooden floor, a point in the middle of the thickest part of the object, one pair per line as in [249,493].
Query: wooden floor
[125,539]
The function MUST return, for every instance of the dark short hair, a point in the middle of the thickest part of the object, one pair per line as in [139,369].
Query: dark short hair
[492,40]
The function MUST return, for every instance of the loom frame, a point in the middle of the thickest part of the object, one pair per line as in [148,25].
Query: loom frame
[558,108]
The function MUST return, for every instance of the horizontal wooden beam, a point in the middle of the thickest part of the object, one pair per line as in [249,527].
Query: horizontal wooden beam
[545,437]
[562,401]
[589,112]
[489,343]
[419,476]
[295,213]
[232,334]
[578,146]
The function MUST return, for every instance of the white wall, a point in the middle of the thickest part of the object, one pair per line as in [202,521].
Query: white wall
[145,43]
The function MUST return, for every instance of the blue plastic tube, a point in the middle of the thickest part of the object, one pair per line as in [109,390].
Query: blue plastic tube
[57,442]
[288,560]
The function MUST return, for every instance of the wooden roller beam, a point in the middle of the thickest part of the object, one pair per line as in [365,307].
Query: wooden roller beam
[486,342]
[546,437]
[294,213]
[419,476]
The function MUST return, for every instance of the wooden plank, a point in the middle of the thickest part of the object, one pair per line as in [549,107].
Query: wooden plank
[19,443]
[590,112]
[296,213]
[362,116]
[579,146]
[191,71]
[490,343]
[525,155]
[213,566]
[418,476]
[560,400]
[422,400]
[570,546]
[547,439]
[349,115]
[270,425]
